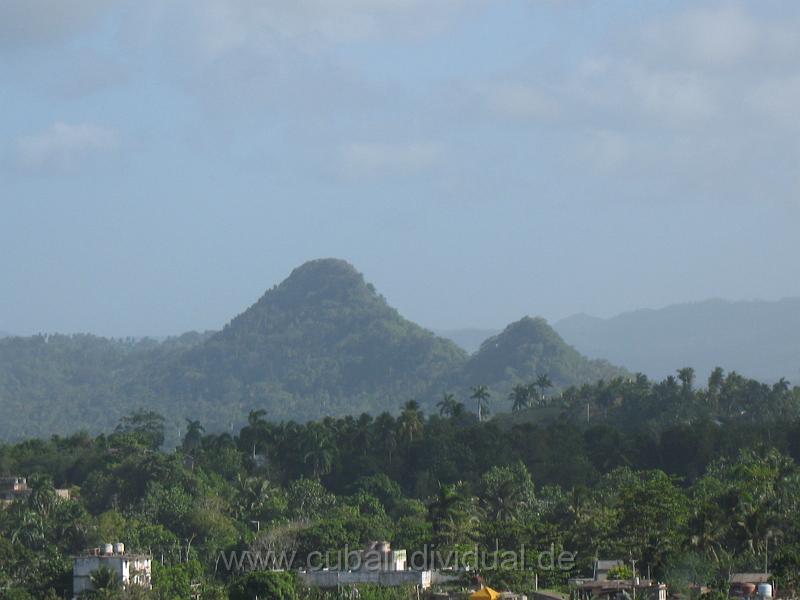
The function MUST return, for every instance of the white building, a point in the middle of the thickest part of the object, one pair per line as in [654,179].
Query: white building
[131,569]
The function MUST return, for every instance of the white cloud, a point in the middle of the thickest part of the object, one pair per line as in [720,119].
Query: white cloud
[605,150]
[63,147]
[676,96]
[220,27]
[714,36]
[522,101]
[364,160]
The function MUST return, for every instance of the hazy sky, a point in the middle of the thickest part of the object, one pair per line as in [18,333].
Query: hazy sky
[163,163]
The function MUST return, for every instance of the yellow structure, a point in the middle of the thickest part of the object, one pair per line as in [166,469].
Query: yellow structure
[485,593]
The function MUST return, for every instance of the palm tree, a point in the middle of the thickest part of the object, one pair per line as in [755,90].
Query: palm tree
[715,380]
[481,394]
[320,450]
[520,397]
[105,583]
[30,529]
[410,421]
[443,510]
[459,410]
[256,418]
[447,404]
[504,503]
[452,516]
[194,435]
[781,386]
[542,382]
[385,432]
[686,377]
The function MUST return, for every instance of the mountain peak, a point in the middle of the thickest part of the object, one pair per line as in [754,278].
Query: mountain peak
[322,280]
[531,347]
[324,267]
[323,335]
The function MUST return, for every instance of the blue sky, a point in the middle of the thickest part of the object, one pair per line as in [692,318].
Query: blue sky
[162,164]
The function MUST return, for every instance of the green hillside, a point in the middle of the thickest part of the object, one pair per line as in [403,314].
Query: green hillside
[321,343]
[526,349]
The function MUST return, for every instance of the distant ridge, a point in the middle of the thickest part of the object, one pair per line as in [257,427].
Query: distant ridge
[759,339]
[321,343]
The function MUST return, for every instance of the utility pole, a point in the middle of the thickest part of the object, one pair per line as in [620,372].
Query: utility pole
[633,580]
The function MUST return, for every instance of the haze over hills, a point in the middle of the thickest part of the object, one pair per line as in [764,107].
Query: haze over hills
[468,338]
[759,339]
[528,348]
[323,342]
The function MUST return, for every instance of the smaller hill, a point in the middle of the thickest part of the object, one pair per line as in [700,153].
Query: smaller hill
[526,349]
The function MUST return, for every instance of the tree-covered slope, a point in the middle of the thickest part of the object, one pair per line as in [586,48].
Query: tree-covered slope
[526,349]
[322,342]
[60,383]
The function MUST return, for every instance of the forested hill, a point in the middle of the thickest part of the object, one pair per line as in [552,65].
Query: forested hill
[527,349]
[758,339]
[323,342]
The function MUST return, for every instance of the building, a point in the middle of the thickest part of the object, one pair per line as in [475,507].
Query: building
[377,564]
[620,589]
[600,586]
[602,567]
[12,488]
[747,585]
[131,569]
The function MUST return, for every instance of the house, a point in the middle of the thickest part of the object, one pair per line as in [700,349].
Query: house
[602,567]
[600,586]
[130,569]
[620,589]
[377,564]
[12,488]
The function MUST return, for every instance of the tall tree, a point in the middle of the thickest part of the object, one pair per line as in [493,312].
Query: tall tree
[410,421]
[520,397]
[686,377]
[543,383]
[481,395]
[194,435]
[447,404]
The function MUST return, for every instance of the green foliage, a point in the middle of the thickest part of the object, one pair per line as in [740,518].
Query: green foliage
[690,498]
[622,571]
[323,342]
[266,585]
[174,582]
